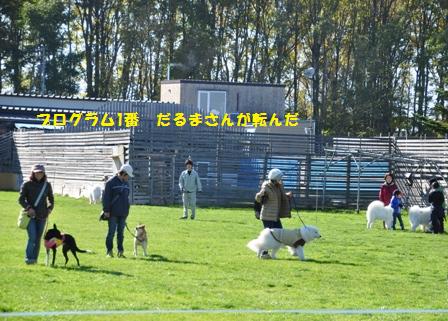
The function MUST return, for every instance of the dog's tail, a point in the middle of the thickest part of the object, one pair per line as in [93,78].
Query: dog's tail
[254,245]
[72,240]
[84,251]
[79,250]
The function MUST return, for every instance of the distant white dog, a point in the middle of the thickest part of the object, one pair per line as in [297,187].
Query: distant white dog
[420,216]
[377,211]
[274,239]
[96,192]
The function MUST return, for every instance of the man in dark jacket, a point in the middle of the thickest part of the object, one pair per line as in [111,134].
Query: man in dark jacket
[116,207]
[436,198]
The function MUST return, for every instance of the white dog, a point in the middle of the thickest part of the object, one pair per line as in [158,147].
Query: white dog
[274,239]
[420,216]
[96,192]
[377,211]
[141,238]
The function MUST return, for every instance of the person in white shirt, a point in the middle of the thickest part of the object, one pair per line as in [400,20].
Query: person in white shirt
[189,184]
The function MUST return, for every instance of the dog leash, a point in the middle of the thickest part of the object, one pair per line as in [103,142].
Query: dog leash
[297,210]
[299,242]
[132,233]
[46,225]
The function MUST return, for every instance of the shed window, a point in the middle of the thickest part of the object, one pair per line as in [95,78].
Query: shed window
[212,101]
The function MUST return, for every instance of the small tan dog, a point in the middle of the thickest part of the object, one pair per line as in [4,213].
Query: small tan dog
[141,238]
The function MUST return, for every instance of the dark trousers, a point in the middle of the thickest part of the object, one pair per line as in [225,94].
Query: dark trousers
[116,223]
[271,224]
[397,216]
[437,217]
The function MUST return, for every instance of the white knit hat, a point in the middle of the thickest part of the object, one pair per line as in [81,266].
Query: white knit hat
[127,169]
[275,174]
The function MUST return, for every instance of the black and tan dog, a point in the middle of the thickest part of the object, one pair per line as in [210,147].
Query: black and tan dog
[53,238]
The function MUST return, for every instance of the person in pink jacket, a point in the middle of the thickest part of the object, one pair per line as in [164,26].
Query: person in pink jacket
[387,190]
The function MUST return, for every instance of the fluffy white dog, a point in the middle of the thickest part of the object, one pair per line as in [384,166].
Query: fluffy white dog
[420,216]
[274,239]
[95,194]
[377,211]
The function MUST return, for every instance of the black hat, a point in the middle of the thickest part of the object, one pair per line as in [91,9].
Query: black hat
[433,180]
[435,185]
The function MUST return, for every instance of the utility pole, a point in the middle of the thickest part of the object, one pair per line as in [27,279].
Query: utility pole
[171,64]
[42,71]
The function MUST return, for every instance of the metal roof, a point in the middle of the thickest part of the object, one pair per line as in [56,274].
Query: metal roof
[77,98]
[213,82]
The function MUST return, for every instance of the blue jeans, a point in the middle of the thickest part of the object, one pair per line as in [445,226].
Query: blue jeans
[397,216]
[35,230]
[116,223]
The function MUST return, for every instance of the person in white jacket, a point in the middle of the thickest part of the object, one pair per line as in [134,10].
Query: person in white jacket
[189,184]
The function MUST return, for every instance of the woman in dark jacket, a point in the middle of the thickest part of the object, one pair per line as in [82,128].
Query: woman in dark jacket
[29,193]
[437,198]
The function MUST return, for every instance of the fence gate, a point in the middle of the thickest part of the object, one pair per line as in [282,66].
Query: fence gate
[162,180]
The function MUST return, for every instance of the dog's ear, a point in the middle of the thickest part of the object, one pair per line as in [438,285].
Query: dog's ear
[54,226]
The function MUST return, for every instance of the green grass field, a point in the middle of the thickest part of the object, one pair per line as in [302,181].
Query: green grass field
[204,264]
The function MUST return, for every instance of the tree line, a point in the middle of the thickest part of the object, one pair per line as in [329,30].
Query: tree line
[380,66]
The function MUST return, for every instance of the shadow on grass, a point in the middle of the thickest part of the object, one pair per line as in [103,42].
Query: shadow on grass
[222,221]
[161,258]
[91,269]
[324,261]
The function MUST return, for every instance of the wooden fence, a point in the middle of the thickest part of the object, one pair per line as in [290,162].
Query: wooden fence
[8,156]
[74,161]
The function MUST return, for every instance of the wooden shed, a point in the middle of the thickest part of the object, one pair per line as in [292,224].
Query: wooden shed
[225,97]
